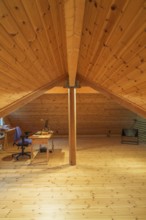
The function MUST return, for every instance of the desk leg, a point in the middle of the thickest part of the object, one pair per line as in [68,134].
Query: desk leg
[5,141]
[31,152]
[47,154]
[51,151]
[52,145]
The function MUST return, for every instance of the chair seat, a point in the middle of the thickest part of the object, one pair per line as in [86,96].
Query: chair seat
[25,143]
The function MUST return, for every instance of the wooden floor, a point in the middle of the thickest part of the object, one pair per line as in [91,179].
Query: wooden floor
[108,183]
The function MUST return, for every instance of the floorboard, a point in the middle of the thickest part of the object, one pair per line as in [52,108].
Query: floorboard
[108,182]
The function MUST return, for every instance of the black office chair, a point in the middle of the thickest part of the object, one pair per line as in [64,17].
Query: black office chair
[21,141]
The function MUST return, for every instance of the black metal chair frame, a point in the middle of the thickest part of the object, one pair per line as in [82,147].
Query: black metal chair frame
[22,146]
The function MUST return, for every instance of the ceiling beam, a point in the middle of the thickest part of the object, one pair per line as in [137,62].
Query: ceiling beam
[123,102]
[74,13]
[29,97]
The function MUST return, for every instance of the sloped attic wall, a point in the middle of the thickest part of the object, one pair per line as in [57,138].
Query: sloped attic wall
[96,114]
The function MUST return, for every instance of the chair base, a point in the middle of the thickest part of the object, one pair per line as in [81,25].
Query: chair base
[22,154]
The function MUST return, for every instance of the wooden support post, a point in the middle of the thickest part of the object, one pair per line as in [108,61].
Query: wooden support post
[72,125]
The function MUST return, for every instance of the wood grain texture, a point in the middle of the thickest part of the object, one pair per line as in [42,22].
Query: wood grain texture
[21,101]
[112,52]
[31,53]
[72,118]
[96,114]
[131,105]
[108,182]
[74,14]
[102,41]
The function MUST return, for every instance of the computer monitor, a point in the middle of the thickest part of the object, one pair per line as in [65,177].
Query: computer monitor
[46,125]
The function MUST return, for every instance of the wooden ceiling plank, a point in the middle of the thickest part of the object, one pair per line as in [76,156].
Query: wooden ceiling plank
[61,23]
[125,48]
[10,45]
[12,73]
[9,25]
[119,36]
[59,28]
[38,27]
[74,13]
[17,11]
[130,15]
[29,97]
[23,61]
[7,58]
[51,17]
[87,18]
[111,46]
[32,41]
[11,97]
[96,18]
[119,99]
[15,33]
[17,69]
[13,83]
[35,43]
[109,24]
[44,8]
[137,63]
[140,88]
[133,92]
[135,76]
[123,62]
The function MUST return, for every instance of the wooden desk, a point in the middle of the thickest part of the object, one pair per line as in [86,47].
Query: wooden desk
[41,139]
[6,133]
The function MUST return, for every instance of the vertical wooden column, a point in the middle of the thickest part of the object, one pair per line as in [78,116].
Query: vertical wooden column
[72,125]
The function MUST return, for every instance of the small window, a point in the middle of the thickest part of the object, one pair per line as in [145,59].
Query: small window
[1,122]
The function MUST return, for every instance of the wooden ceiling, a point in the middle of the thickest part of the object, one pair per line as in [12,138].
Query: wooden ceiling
[44,42]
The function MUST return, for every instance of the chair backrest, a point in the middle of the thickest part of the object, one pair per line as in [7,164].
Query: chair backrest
[17,134]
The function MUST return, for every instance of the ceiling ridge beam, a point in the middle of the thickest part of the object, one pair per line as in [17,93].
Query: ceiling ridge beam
[122,101]
[29,97]
[74,16]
